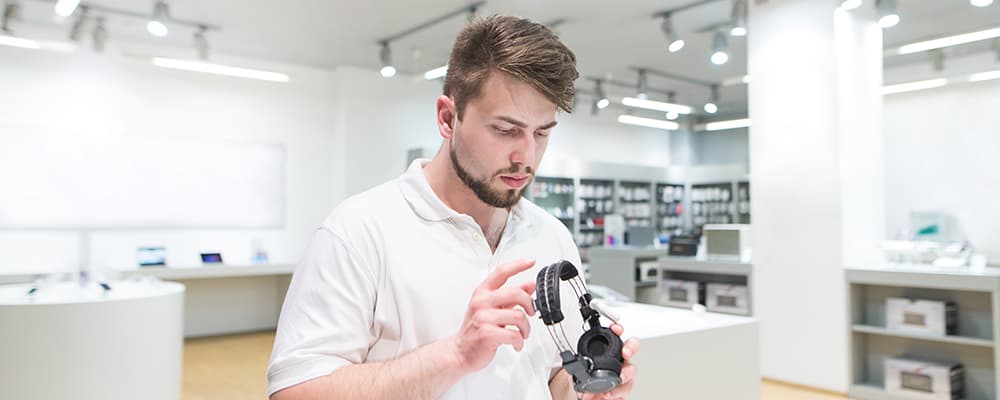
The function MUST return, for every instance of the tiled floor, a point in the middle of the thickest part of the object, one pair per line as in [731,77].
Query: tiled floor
[234,368]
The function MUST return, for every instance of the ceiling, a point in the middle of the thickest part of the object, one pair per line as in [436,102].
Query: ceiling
[607,36]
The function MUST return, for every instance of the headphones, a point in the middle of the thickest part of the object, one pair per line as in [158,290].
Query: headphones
[596,366]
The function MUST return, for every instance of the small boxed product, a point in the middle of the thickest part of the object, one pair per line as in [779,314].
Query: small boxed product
[918,379]
[726,298]
[678,293]
[929,317]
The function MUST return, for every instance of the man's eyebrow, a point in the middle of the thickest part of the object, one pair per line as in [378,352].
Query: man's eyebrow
[520,124]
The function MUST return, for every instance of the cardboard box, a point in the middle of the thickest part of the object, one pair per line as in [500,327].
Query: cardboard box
[726,298]
[678,293]
[928,317]
[919,379]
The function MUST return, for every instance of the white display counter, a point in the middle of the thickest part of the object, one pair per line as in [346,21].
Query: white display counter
[690,355]
[68,342]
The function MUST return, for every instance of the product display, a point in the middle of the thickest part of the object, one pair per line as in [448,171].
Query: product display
[743,202]
[732,299]
[211,258]
[929,317]
[555,196]
[597,363]
[596,201]
[635,201]
[151,256]
[727,241]
[679,293]
[711,204]
[686,246]
[918,379]
[669,208]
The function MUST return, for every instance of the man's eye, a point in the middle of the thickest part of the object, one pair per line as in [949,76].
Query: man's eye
[542,133]
[510,131]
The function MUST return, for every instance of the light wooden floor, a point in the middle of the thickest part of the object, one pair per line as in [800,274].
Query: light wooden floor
[234,368]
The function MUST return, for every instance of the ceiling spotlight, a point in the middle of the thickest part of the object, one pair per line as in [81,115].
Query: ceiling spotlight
[850,4]
[642,85]
[674,42]
[100,35]
[601,98]
[11,10]
[65,8]
[77,28]
[201,43]
[671,98]
[888,17]
[739,17]
[711,107]
[385,56]
[720,49]
[157,25]
[436,73]
[981,3]
[672,115]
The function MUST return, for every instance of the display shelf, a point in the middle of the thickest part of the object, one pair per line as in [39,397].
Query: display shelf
[976,294]
[877,330]
[557,197]
[711,203]
[706,271]
[669,208]
[596,200]
[743,202]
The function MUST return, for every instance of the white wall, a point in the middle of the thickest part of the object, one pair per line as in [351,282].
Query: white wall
[942,147]
[89,96]
[722,147]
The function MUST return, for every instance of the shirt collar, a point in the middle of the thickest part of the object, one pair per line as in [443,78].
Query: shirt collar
[418,193]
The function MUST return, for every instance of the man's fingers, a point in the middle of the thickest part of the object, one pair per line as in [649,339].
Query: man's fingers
[630,348]
[510,297]
[620,392]
[504,318]
[629,371]
[499,276]
[506,336]
[529,287]
[617,329]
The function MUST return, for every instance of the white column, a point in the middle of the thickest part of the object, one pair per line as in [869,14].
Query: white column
[816,179]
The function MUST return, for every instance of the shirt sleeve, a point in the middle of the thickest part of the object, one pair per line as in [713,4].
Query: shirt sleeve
[327,318]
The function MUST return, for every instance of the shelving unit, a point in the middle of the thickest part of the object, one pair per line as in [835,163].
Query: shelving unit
[635,203]
[669,208]
[743,202]
[711,203]
[977,296]
[708,271]
[556,196]
[596,200]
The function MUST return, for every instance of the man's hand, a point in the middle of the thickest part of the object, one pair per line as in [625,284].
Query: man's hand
[628,369]
[491,310]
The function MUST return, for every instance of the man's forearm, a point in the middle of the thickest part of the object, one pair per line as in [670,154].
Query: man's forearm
[425,373]
[561,386]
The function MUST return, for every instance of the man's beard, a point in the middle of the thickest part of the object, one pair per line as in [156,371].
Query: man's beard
[498,199]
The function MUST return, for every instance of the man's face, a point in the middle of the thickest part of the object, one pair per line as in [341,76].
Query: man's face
[498,144]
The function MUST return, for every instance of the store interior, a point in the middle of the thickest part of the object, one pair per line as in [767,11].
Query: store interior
[784,199]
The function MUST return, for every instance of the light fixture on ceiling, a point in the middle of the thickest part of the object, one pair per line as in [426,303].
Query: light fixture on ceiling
[76,29]
[674,42]
[642,85]
[720,49]
[712,106]
[436,73]
[739,18]
[36,44]
[217,69]
[648,122]
[725,125]
[600,98]
[850,4]
[65,8]
[100,35]
[981,3]
[888,16]
[201,43]
[913,86]
[671,98]
[11,11]
[157,25]
[948,41]
[656,105]
[385,59]
[984,76]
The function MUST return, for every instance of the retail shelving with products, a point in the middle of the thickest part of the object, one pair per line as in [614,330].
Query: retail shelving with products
[635,203]
[596,199]
[555,196]
[976,299]
[743,202]
[669,208]
[711,203]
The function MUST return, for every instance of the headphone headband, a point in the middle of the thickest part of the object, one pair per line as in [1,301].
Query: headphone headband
[547,289]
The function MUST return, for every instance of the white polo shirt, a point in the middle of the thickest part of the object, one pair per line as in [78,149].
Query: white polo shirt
[393,269]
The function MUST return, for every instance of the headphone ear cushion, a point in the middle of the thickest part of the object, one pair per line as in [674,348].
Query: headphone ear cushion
[603,347]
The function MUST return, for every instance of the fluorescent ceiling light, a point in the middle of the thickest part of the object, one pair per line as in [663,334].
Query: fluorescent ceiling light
[981,3]
[649,122]
[984,76]
[220,69]
[949,41]
[65,8]
[912,86]
[36,44]
[656,105]
[731,124]
[436,73]
[850,4]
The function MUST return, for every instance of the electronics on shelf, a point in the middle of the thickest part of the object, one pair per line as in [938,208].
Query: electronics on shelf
[928,317]
[726,298]
[916,379]
[680,293]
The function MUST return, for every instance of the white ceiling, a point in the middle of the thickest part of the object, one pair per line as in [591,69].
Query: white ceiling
[607,36]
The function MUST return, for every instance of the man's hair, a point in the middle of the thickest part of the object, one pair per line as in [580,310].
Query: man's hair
[525,49]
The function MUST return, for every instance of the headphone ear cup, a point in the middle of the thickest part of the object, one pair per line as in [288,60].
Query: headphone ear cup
[604,348]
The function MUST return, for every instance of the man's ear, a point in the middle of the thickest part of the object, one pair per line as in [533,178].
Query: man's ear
[446,116]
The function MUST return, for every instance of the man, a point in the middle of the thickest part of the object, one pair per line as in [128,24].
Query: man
[421,288]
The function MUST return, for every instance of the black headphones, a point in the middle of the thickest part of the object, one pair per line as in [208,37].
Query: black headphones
[597,365]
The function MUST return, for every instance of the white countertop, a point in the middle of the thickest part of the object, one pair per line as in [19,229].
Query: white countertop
[73,293]
[649,321]
[211,271]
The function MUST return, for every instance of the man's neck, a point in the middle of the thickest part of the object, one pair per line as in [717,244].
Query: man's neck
[456,195]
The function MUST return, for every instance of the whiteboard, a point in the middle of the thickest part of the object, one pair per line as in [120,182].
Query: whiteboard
[59,183]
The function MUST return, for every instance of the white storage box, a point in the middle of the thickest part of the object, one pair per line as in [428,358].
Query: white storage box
[727,242]
[924,380]
[726,298]
[678,293]
[929,317]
